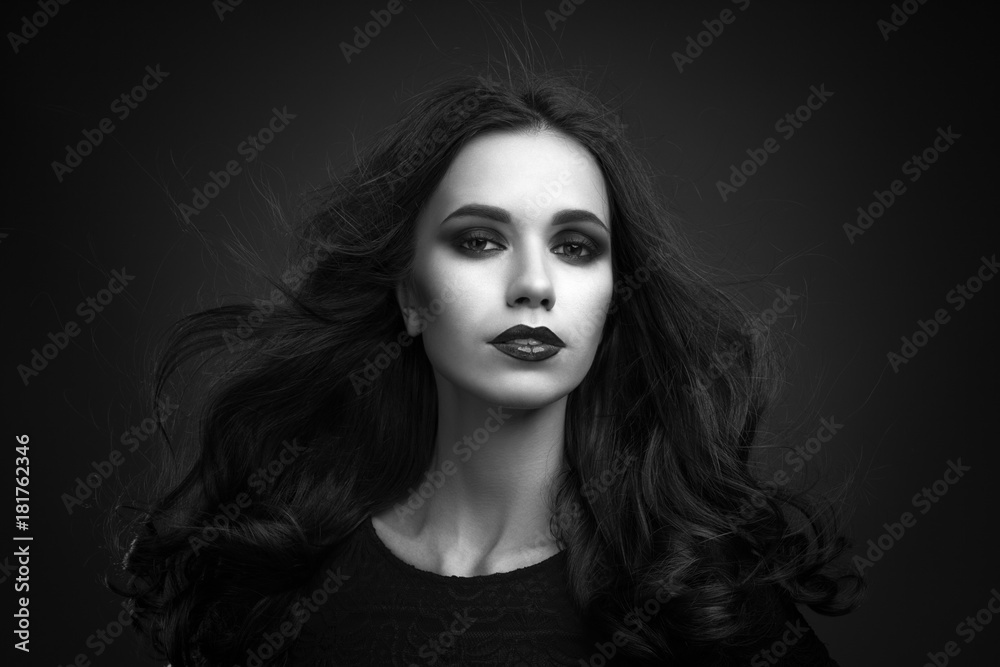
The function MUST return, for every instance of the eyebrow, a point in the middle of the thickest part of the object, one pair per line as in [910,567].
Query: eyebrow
[564,217]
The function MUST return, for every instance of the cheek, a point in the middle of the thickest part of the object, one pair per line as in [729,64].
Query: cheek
[438,274]
[592,301]
[449,303]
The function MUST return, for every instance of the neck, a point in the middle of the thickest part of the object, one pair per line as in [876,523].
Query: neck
[492,476]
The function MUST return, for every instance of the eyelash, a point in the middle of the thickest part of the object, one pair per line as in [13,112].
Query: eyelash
[577,240]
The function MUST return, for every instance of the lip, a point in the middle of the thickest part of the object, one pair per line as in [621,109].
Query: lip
[542,335]
[528,343]
[527,352]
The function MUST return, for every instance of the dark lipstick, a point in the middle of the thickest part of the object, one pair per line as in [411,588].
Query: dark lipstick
[528,343]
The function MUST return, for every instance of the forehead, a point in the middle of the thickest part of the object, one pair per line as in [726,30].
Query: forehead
[524,171]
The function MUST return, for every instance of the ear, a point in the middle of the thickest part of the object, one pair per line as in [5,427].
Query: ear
[407,301]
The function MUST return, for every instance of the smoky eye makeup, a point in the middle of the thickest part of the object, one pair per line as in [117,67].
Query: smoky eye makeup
[573,246]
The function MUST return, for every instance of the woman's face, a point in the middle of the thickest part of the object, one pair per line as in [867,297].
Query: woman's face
[516,233]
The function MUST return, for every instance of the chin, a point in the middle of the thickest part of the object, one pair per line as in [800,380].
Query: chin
[505,382]
[524,393]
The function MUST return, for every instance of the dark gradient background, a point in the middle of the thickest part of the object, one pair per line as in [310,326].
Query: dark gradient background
[784,227]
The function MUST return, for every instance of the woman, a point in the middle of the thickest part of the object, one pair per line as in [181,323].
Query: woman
[483,421]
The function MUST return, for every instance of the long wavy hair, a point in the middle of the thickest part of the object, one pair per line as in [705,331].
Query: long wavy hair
[208,573]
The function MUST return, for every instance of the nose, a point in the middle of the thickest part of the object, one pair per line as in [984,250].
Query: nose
[531,284]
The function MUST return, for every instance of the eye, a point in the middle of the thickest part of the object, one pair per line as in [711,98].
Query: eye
[475,242]
[579,249]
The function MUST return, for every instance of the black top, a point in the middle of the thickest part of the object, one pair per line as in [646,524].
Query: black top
[384,611]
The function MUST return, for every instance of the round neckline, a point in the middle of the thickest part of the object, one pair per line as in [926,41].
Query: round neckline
[510,575]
